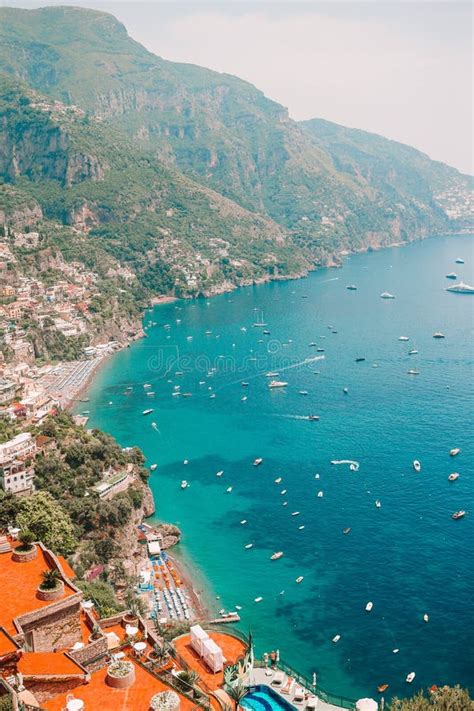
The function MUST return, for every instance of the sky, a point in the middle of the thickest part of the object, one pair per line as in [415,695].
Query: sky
[401,69]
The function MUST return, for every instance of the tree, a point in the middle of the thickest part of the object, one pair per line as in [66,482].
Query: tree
[444,698]
[237,693]
[50,579]
[48,521]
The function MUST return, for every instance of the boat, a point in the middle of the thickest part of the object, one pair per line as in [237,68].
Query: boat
[458,514]
[426,618]
[453,476]
[346,531]
[345,390]
[266,333]
[295,513]
[454,452]
[381,688]
[249,545]
[438,334]
[451,275]
[378,504]
[184,484]
[220,473]
[403,338]
[212,396]
[278,481]
[244,384]
[277,384]
[395,651]
[153,467]
[369,606]
[312,344]
[413,351]
[313,418]
[459,260]
[259,323]
[351,287]
[386,295]
[283,492]
[271,374]
[336,638]
[238,607]
[320,494]
[257,461]
[147,385]
[413,371]
[299,579]
[319,350]
[416,465]
[228,490]
[359,360]
[243,522]
[147,412]
[243,399]
[258,599]
[276,555]
[410,677]
[303,392]
[150,393]
[461,288]
[300,528]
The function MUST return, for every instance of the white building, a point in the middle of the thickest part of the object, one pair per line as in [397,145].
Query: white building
[17,479]
[20,447]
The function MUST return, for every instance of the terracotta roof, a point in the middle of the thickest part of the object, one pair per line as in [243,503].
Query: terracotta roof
[7,645]
[19,584]
[48,664]
[232,648]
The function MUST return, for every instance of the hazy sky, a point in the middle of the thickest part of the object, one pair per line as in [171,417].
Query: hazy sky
[401,69]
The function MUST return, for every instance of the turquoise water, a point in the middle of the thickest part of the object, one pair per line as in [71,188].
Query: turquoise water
[263,698]
[408,557]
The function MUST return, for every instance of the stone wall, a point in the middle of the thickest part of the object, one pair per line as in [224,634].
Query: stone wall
[93,656]
[53,627]
[45,689]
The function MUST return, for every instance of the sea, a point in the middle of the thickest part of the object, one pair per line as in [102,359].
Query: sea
[208,365]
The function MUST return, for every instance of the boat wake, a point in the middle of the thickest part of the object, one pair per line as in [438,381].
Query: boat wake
[353,466]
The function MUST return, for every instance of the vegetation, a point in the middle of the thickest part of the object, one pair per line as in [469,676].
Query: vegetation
[237,693]
[50,579]
[103,596]
[26,539]
[442,698]
[48,522]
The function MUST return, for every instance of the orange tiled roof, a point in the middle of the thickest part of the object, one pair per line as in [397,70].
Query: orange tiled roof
[98,695]
[7,646]
[232,648]
[19,584]
[67,568]
[48,664]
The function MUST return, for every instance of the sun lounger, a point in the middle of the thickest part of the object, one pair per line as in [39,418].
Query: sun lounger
[279,678]
[288,686]
[312,703]
[298,696]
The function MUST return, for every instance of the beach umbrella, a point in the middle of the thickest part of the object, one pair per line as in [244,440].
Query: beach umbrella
[366,705]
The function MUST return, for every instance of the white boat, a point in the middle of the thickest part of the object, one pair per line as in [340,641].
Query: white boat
[243,399]
[320,494]
[153,467]
[249,545]
[278,480]
[378,504]
[295,513]
[220,473]
[336,638]
[259,323]
[258,599]
[386,295]
[147,385]
[403,338]
[351,287]
[454,452]
[186,461]
[212,396]
[453,476]
[413,351]
[276,555]
[238,607]
[228,490]
[459,260]
[451,275]
[369,606]
[438,334]
[299,579]
[147,412]
[303,392]
[412,371]
[345,390]
[461,288]
[271,374]
[243,522]
[313,418]
[416,465]
[410,677]
[184,484]
[395,651]
[283,492]
[150,393]
[300,528]
[426,618]
[277,384]
[257,461]
[458,514]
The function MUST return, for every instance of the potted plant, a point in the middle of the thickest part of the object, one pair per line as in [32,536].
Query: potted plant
[131,616]
[52,586]
[165,701]
[158,656]
[96,633]
[26,551]
[120,675]
[186,680]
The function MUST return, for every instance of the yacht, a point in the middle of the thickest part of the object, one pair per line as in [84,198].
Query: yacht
[413,351]
[416,465]
[359,360]
[184,484]
[378,504]
[257,461]
[387,295]
[258,599]
[259,323]
[336,638]
[451,275]
[153,467]
[277,384]
[454,452]
[403,338]
[228,490]
[412,371]
[220,473]
[461,288]
[453,476]
[458,514]
[369,606]
[320,494]
[351,287]
[426,618]
[410,677]
[459,260]
[276,555]
[438,334]
[248,546]
[147,412]
[313,418]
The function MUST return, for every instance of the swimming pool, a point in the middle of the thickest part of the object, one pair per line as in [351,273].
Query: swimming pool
[263,698]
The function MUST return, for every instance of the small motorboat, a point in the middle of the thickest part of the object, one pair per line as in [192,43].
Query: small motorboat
[272,375]
[248,546]
[416,465]
[426,618]
[336,638]
[257,461]
[147,412]
[283,492]
[276,555]
[386,295]
[410,677]
[454,452]
[212,396]
[238,607]
[382,688]
[320,350]
[228,490]
[303,392]
[312,344]
[459,260]
[266,333]
[184,484]
[346,531]
[278,480]
[451,275]
[313,418]
[243,399]
[295,513]
[403,338]
[345,391]
[153,467]
[244,384]
[320,494]
[150,393]
[395,651]
[413,351]
[438,334]
[458,514]
[220,473]
[378,503]
[277,384]
[147,385]
[186,461]
[461,288]
[258,599]
[412,371]
[351,287]
[300,528]
[299,579]
[369,606]
[453,476]
[359,360]
[243,522]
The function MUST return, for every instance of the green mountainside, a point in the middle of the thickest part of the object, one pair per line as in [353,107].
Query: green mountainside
[193,179]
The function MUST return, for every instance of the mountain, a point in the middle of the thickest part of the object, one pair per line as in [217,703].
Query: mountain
[192,178]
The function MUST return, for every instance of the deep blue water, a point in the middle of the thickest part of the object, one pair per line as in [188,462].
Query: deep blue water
[408,556]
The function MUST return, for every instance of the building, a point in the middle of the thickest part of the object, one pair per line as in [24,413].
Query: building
[7,391]
[20,447]
[17,478]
